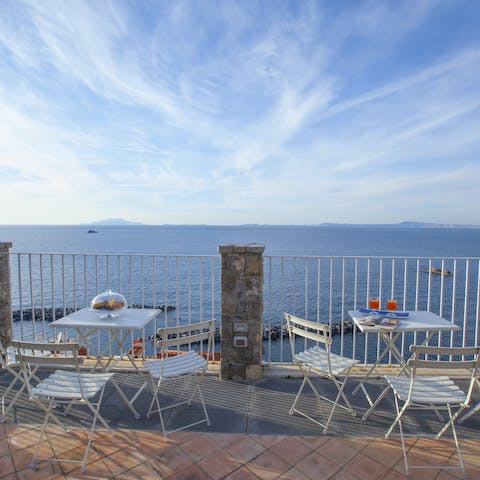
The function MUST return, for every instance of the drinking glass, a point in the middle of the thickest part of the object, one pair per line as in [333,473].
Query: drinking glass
[374,303]
[392,304]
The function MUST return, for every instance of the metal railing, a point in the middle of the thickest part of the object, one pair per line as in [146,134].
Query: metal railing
[46,286]
[324,289]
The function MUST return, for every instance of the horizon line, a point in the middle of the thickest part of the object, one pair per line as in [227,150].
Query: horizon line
[406,224]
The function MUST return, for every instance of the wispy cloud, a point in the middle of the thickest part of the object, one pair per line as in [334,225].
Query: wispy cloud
[239,112]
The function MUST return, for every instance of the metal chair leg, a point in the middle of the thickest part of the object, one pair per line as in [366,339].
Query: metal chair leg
[300,390]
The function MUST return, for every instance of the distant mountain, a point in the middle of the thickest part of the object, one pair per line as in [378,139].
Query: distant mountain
[427,225]
[431,225]
[400,225]
[406,224]
[114,221]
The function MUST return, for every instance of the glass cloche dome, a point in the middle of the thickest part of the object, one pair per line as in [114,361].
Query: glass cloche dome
[109,303]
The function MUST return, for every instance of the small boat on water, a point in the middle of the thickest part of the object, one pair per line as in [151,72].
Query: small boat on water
[437,271]
[92,231]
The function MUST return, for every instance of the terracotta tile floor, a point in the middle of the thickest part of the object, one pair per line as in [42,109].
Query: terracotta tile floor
[199,455]
[252,436]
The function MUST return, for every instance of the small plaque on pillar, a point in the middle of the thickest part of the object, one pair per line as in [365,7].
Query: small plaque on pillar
[240,341]
[240,327]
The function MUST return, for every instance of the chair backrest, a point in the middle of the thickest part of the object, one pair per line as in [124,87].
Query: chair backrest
[318,332]
[448,359]
[53,355]
[32,355]
[186,335]
[7,357]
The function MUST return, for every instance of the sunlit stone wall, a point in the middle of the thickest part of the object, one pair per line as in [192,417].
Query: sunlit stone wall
[5,307]
[241,281]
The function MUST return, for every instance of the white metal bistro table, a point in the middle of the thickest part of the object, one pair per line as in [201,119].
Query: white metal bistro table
[86,323]
[417,321]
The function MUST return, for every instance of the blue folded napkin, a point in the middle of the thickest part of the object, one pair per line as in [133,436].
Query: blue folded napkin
[383,312]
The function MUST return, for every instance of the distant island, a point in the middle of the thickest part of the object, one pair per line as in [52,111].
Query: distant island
[114,221]
[399,225]
[406,224]
[353,225]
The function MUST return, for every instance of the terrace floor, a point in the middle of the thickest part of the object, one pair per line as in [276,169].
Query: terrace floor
[252,437]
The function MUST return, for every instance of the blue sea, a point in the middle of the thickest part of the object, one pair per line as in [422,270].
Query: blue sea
[293,280]
[278,240]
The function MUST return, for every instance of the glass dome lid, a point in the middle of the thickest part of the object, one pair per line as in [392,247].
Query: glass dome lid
[109,303]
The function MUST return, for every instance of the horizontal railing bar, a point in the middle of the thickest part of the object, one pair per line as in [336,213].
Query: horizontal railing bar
[366,257]
[112,254]
[210,255]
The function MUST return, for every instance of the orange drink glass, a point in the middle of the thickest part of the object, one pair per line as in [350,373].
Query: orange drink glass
[374,303]
[392,304]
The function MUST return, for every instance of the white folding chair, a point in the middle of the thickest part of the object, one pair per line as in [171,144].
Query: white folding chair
[318,360]
[430,392]
[174,364]
[9,363]
[63,387]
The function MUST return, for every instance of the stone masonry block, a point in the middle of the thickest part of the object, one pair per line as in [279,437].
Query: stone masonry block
[233,263]
[228,281]
[229,304]
[237,264]
[253,372]
[241,248]
[227,335]
[253,283]
[254,265]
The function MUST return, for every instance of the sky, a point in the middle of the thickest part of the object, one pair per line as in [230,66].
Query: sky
[239,112]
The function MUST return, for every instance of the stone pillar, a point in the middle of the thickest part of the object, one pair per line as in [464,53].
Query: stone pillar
[241,280]
[5,299]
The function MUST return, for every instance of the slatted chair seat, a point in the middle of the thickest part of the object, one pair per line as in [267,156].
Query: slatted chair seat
[188,364]
[66,377]
[177,365]
[429,390]
[319,358]
[434,392]
[62,387]
[321,361]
